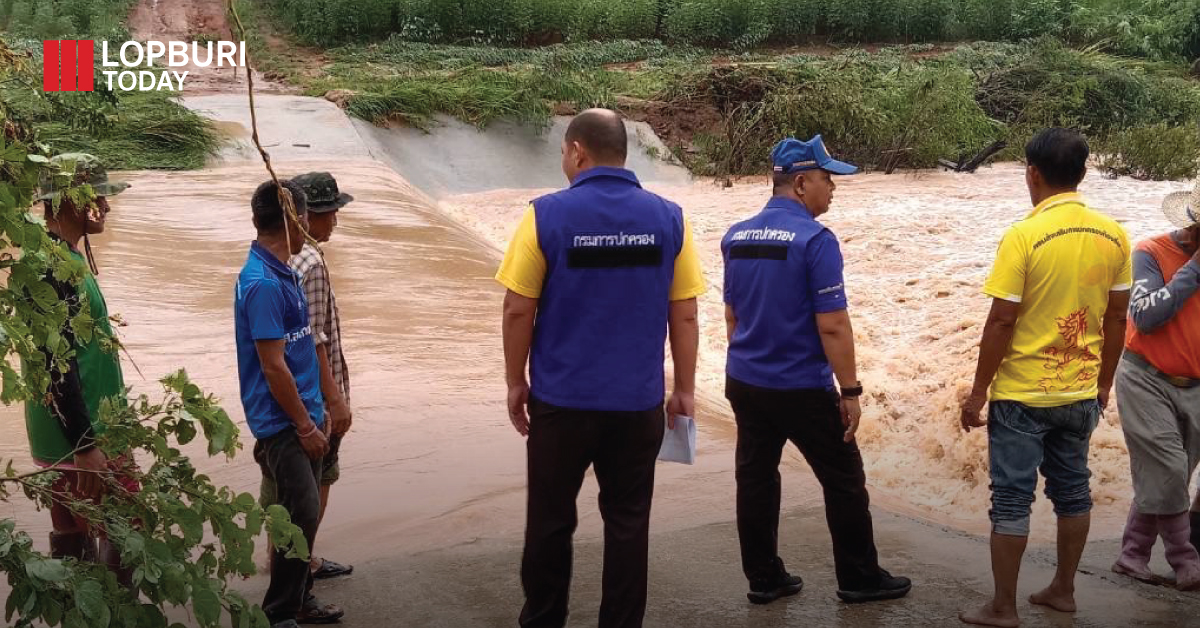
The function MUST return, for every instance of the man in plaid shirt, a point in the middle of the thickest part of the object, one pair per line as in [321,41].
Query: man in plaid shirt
[324,201]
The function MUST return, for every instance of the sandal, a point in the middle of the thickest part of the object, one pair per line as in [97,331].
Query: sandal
[314,612]
[330,569]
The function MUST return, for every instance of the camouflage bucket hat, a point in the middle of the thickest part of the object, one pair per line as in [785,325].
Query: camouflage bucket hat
[321,191]
[88,171]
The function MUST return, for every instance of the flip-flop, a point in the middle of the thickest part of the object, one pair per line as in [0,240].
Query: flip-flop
[314,612]
[330,569]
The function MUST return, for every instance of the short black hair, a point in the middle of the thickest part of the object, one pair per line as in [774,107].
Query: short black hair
[268,213]
[602,133]
[1060,155]
[782,180]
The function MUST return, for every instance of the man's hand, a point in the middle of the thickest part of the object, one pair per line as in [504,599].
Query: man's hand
[1103,397]
[680,404]
[92,464]
[518,402]
[972,406]
[341,417]
[314,442]
[851,416]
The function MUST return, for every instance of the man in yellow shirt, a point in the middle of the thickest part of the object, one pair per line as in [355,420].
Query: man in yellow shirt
[1060,289]
[596,274]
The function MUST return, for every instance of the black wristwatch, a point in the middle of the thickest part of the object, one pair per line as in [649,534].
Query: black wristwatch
[853,392]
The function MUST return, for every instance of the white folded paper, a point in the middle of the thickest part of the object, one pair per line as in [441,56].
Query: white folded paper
[679,444]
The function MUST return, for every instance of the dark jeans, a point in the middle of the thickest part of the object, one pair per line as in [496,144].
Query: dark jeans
[283,461]
[811,419]
[1023,439]
[562,444]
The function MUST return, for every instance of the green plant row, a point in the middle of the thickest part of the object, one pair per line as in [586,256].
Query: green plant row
[898,107]
[1151,28]
[65,19]
[129,131]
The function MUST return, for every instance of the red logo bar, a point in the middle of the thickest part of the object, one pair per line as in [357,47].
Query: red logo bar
[50,65]
[67,63]
[87,65]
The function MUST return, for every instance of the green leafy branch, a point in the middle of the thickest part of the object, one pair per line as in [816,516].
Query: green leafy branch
[183,536]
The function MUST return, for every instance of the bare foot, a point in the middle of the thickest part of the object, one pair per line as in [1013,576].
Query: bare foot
[1055,599]
[987,615]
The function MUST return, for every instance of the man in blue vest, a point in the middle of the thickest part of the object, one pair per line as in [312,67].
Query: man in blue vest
[596,274]
[789,334]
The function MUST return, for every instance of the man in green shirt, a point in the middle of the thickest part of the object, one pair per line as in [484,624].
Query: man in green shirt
[62,435]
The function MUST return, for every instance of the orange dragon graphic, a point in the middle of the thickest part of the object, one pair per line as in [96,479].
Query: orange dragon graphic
[1058,360]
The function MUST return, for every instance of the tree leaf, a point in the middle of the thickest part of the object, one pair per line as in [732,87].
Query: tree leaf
[191,523]
[74,619]
[6,196]
[152,617]
[12,383]
[207,606]
[245,502]
[258,619]
[185,431]
[53,613]
[253,523]
[46,569]
[89,599]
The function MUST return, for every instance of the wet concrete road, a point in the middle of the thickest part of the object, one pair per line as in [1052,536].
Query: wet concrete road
[696,582]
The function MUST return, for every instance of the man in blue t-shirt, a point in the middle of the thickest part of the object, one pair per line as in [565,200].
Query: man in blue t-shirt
[789,334]
[281,391]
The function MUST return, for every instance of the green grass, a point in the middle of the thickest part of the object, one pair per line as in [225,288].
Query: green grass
[150,131]
[65,19]
[135,130]
[1161,29]
[897,107]
[125,130]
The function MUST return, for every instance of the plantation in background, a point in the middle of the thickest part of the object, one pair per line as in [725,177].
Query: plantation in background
[65,19]
[132,130]
[720,80]
[1158,29]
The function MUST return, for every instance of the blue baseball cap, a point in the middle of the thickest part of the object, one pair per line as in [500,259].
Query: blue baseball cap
[792,155]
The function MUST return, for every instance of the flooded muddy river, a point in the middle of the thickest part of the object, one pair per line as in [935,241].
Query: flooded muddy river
[432,459]
[917,250]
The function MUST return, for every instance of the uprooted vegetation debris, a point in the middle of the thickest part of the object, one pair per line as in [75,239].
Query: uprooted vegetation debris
[903,106]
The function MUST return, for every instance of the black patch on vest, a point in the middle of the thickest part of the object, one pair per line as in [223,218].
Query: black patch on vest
[637,256]
[759,251]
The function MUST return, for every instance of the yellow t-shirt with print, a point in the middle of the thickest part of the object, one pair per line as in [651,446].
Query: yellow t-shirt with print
[1060,263]
[524,267]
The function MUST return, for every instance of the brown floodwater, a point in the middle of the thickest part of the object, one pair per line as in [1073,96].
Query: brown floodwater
[417,303]
[432,460]
[918,247]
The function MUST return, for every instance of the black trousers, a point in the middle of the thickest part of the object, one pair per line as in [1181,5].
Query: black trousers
[563,443]
[811,419]
[283,460]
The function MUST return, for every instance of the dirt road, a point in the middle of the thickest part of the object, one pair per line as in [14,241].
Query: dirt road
[192,20]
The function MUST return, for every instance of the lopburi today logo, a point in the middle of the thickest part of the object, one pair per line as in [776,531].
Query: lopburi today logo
[69,65]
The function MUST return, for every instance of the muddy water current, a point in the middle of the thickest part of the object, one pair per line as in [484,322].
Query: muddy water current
[432,458]
[917,250]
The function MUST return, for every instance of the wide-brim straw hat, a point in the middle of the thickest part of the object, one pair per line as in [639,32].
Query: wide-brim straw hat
[1183,208]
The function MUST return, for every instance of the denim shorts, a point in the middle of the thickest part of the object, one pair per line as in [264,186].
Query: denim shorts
[1023,440]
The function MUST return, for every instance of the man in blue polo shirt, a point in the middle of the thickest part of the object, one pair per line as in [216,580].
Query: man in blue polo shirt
[281,390]
[596,274]
[789,334]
